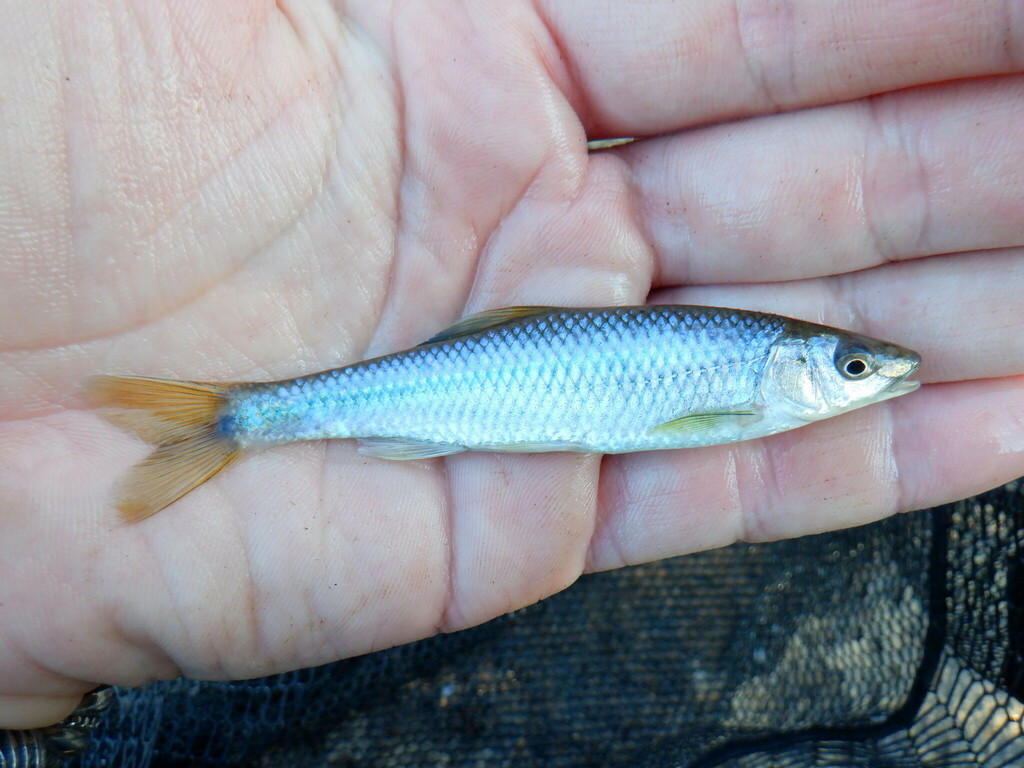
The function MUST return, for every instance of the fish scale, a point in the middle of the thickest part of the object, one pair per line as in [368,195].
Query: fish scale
[583,380]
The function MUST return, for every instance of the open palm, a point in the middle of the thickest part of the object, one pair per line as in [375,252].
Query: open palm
[248,190]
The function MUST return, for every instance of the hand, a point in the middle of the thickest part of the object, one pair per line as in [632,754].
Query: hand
[251,190]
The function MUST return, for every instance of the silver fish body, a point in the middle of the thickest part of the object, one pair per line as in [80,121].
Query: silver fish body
[520,379]
[604,380]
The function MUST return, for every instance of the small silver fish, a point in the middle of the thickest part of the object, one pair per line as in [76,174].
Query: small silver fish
[520,379]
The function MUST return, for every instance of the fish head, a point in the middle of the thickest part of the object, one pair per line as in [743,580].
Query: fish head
[816,373]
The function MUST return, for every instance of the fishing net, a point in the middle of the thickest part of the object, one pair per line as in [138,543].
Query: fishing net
[899,644]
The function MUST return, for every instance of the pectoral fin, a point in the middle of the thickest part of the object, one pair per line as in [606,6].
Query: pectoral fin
[484,320]
[700,422]
[404,450]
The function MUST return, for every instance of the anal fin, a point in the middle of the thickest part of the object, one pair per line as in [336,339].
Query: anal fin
[397,449]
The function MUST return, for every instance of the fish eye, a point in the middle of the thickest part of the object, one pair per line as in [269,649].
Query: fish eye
[855,365]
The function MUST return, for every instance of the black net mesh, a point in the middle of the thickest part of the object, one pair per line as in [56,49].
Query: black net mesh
[897,644]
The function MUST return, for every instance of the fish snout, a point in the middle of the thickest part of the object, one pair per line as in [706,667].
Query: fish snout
[899,363]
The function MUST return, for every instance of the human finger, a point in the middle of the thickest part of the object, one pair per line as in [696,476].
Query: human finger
[643,68]
[836,189]
[961,312]
[944,442]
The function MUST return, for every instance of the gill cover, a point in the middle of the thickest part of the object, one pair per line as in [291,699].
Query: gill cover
[791,377]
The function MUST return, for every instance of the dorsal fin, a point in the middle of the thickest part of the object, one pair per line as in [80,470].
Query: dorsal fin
[481,321]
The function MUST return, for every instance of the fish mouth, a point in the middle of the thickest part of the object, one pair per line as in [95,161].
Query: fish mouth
[900,367]
[902,387]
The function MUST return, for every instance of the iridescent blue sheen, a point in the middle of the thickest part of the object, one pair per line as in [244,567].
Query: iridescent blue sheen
[575,379]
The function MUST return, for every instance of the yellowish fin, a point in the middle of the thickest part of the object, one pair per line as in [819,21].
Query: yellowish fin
[404,450]
[180,418]
[699,422]
[598,144]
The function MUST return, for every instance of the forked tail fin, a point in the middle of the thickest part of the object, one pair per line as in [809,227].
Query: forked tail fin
[181,419]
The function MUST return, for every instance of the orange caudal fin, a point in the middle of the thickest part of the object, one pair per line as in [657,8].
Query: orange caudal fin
[181,419]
